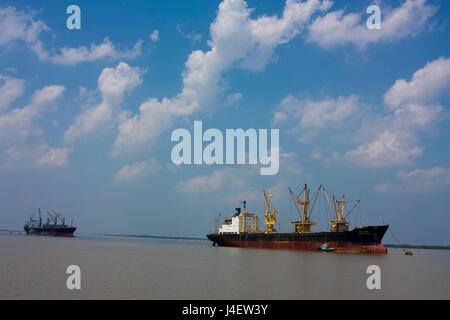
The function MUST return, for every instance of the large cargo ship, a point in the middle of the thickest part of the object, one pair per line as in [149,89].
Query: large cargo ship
[242,229]
[55,226]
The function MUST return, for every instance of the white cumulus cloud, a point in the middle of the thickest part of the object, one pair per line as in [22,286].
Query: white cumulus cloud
[217,180]
[19,26]
[23,27]
[394,139]
[113,84]
[425,86]
[18,123]
[10,90]
[337,28]
[307,117]
[73,56]
[55,157]
[417,181]
[27,156]
[138,170]
[236,39]
[154,36]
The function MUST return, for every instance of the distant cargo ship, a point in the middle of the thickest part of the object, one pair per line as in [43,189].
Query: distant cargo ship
[242,230]
[51,228]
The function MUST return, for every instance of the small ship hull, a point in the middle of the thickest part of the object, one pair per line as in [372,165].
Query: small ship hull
[47,231]
[359,240]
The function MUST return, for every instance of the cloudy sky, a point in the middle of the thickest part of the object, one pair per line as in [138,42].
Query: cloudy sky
[86,115]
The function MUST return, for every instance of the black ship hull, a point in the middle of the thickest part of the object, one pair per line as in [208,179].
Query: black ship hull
[51,231]
[359,240]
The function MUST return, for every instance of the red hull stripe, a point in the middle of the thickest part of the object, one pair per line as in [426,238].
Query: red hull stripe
[344,247]
[55,234]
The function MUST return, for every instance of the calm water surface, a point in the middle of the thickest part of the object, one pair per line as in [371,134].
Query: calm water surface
[33,267]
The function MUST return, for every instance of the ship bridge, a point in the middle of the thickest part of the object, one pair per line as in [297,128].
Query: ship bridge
[239,223]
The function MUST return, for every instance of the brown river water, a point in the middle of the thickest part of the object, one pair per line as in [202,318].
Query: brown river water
[33,267]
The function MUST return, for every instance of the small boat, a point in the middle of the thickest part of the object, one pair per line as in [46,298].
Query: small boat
[325,247]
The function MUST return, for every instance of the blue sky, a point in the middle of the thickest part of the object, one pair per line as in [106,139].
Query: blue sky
[86,115]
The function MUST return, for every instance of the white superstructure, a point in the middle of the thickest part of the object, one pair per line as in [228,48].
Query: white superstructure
[240,222]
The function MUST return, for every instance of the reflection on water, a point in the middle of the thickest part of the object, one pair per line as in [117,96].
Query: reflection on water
[134,268]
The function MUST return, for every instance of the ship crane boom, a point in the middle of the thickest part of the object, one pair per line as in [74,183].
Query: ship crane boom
[326,195]
[271,215]
[295,202]
[314,202]
[304,225]
[351,210]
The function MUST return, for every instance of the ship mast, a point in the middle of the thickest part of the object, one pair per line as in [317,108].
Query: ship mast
[339,224]
[271,215]
[40,218]
[305,224]
[244,203]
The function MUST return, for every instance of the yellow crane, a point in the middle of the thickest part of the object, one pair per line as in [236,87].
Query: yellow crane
[305,224]
[339,224]
[271,215]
